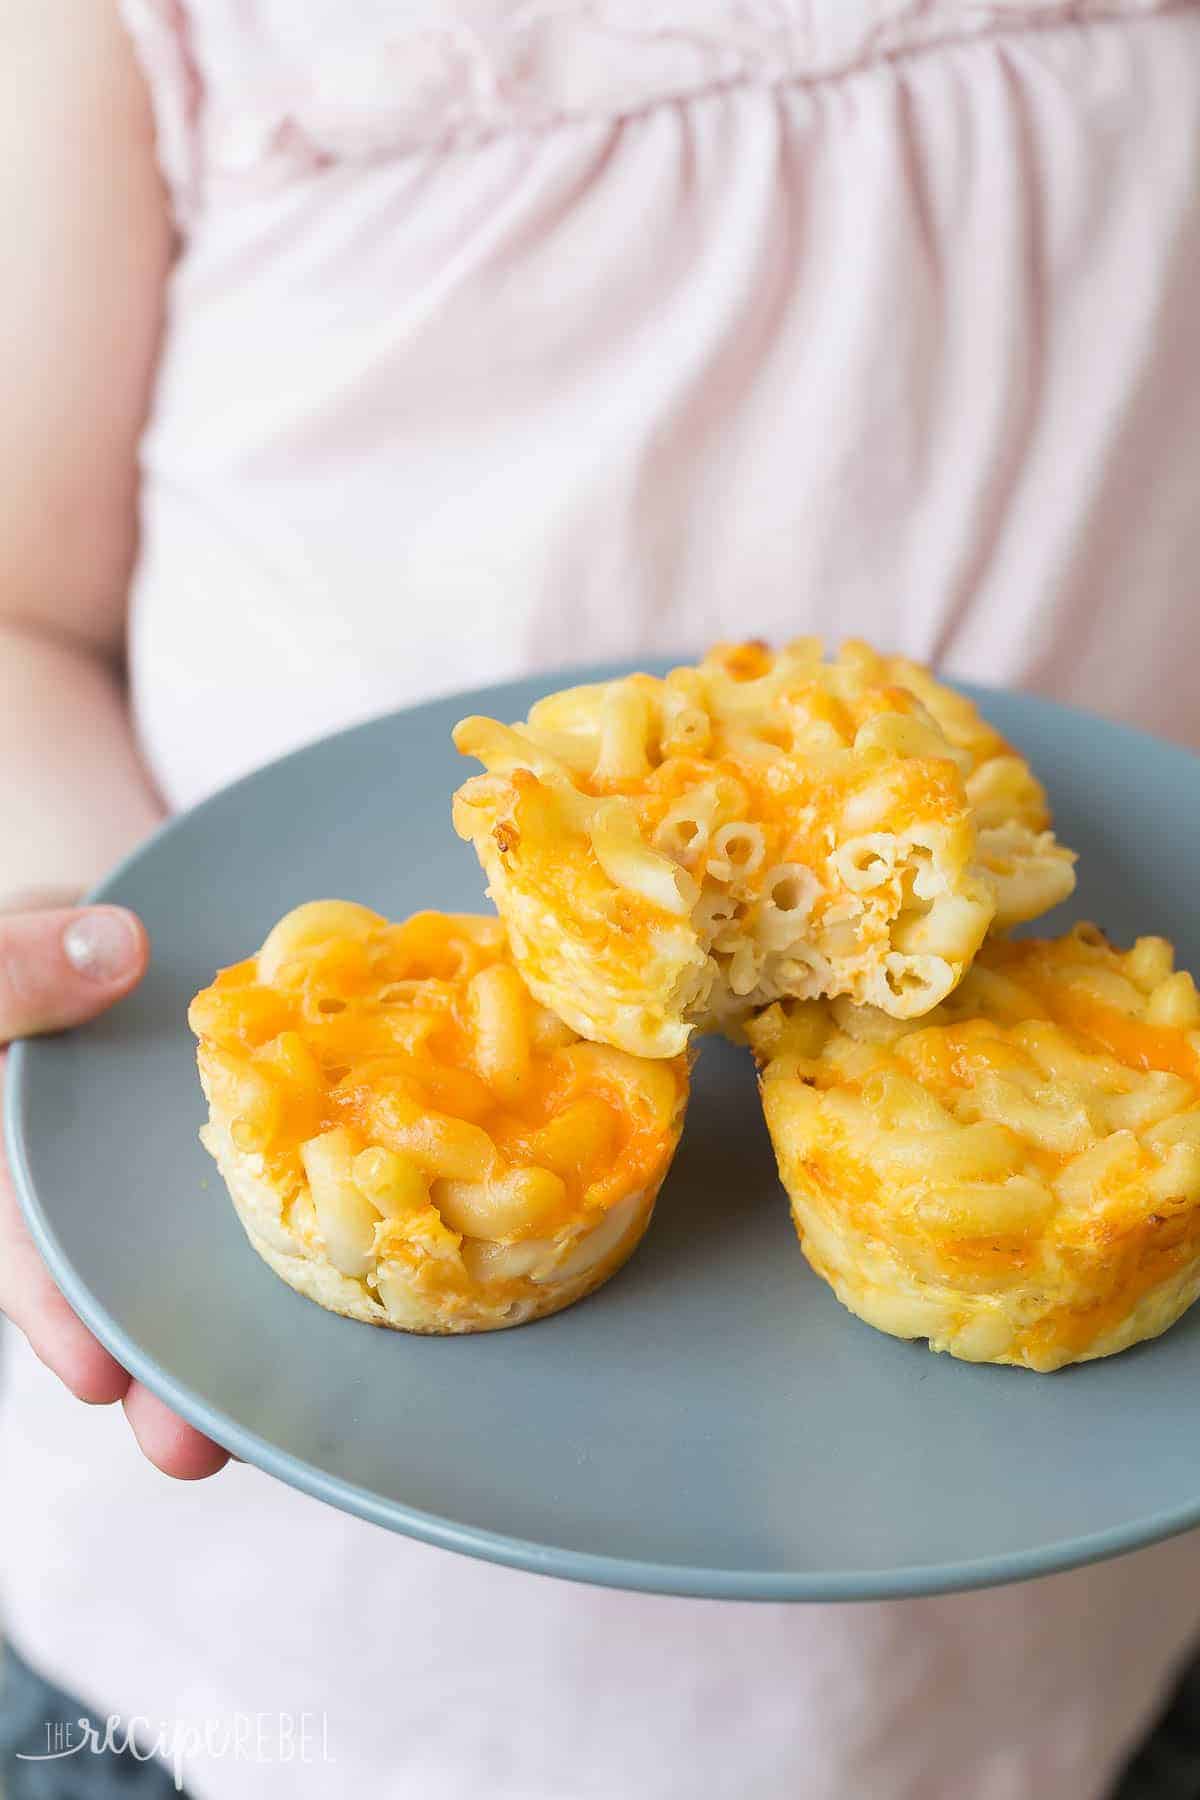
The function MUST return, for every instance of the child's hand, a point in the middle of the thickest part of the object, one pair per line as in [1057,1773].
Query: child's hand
[58,969]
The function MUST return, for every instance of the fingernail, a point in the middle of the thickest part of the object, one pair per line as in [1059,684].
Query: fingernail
[102,944]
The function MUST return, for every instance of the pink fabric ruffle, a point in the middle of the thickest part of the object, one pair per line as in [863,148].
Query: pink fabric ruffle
[289,87]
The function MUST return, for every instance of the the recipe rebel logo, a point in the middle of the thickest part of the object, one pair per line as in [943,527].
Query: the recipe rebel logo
[253,1737]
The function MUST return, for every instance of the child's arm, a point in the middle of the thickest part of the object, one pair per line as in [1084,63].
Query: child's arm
[87,244]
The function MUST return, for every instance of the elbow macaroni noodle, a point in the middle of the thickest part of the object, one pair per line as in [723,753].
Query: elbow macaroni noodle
[1016,1176]
[409,1137]
[675,853]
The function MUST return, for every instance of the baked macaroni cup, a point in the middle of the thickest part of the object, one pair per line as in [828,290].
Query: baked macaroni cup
[673,854]
[409,1138]
[1016,1177]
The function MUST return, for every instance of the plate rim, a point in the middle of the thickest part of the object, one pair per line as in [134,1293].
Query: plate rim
[590,1567]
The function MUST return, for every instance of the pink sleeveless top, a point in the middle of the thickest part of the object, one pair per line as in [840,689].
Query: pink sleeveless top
[509,333]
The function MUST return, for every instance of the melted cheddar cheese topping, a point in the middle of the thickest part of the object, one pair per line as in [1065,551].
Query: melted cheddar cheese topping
[427,1127]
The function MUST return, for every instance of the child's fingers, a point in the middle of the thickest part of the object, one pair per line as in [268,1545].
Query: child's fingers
[61,967]
[30,1299]
[169,1442]
[57,969]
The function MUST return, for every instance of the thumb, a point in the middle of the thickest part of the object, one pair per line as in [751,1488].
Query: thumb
[62,967]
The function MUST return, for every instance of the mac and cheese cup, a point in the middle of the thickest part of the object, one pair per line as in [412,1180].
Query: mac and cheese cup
[1015,1178]
[677,854]
[412,1140]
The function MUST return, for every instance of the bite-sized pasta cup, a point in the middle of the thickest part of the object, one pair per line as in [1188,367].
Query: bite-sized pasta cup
[676,853]
[1016,1177]
[409,1138]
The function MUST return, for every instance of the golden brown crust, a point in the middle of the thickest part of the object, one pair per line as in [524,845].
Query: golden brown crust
[1015,1178]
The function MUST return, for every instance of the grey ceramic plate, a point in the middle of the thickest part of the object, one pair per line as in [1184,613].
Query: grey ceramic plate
[711,1422]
